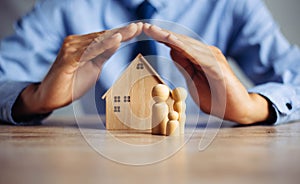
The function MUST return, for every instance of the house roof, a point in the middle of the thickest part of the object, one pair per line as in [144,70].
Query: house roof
[148,67]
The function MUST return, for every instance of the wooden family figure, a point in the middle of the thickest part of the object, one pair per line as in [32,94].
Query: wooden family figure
[168,111]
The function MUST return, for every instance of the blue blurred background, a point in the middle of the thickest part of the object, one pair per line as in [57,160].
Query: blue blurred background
[285,12]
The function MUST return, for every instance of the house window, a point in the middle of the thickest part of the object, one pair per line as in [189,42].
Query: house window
[117,109]
[140,66]
[126,98]
[117,99]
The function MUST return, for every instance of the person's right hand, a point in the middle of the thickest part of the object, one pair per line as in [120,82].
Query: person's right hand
[75,70]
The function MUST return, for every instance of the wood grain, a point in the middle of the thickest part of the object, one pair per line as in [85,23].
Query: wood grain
[56,152]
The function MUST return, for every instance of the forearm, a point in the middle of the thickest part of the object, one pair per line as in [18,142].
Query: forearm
[241,106]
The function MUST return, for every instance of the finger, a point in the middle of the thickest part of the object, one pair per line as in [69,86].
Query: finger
[128,32]
[100,59]
[79,38]
[80,43]
[199,54]
[188,39]
[88,72]
[99,46]
[169,39]
[160,35]
[139,29]
[192,49]
[83,41]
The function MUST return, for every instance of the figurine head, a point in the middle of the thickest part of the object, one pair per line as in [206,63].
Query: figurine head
[173,115]
[179,94]
[160,93]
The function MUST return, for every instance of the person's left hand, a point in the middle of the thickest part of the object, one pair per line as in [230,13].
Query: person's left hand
[209,70]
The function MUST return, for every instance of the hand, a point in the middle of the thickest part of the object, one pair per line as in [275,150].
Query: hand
[75,70]
[216,84]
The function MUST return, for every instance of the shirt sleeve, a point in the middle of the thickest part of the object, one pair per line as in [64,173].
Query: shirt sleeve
[10,92]
[267,58]
[26,56]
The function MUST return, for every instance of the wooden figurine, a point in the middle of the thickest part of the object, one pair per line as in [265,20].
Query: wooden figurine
[129,101]
[173,124]
[179,95]
[160,109]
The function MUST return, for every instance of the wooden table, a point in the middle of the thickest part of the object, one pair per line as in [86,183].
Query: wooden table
[57,152]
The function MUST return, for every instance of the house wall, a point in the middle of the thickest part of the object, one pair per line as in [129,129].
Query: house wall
[136,113]
[112,121]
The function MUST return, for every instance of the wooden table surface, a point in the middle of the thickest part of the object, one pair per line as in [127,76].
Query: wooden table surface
[57,152]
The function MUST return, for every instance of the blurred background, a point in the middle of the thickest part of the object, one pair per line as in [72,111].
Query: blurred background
[285,12]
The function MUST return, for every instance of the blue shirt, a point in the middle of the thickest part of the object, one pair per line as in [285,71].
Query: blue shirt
[243,29]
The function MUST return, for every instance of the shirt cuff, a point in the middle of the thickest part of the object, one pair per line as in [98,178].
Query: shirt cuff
[283,98]
[9,94]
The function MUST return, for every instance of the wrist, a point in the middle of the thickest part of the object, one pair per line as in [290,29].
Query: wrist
[28,104]
[259,109]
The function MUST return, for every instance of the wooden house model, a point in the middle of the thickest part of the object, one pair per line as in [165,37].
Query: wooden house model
[129,101]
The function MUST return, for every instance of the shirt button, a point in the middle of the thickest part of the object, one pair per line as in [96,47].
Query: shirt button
[289,106]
